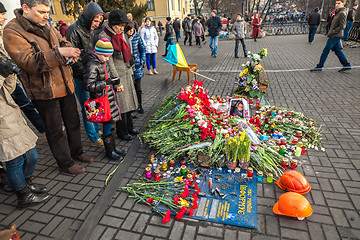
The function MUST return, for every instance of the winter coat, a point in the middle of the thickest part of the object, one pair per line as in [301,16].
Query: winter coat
[214,24]
[62,29]
[256,27]
[177,26]
[338,23]
[151,39]
[187,25]
[44,74]
[81,36]
[198,29]
[169,31]
[314,19]
[351,15]
[139,54]
[239,29]
[16,137]
[126,100]
[94,82]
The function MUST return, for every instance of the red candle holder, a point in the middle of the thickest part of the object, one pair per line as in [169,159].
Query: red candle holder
[285,163]
[294,164]
[250,172]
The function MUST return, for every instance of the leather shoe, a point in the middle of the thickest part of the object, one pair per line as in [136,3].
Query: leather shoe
[74,169]
[126,137]
[35,188]
[119,151]
[86,158]
[345,69]
[134,132]
[316,70]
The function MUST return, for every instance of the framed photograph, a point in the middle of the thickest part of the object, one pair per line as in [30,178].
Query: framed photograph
[239,107]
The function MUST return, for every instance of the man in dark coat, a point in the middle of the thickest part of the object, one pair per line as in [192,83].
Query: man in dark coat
[177,28]
[214,25]
[160,27]
[314,22]
[350,21]
[187,29]
[335,34]
[169,35]
[81,35]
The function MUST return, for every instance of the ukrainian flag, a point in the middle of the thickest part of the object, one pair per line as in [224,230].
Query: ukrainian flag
[175,56]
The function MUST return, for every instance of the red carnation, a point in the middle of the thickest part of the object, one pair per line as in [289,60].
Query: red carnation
[150,200]
[196,185]
[191,212]
[167,217]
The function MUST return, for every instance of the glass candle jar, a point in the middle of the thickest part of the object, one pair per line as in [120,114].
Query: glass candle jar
[151,158]
[164,166]
[150,166]
[295,140]
[298,134]
[278,142]
[283,141]
[157,175]
[148,172]
[250,173]
[270,178]
[260,176]
[251,100]
[172,163]
[303,149]
[298,152]
[282,150]
[285,163]
[182,161]
[183,170]
[299,144]
[294,164]
[190,179]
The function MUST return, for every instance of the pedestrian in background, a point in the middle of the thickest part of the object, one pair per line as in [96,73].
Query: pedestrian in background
[187,26]
[130,17]
[256,26]
[314,22]
[214,26]
[62,27]
[160,25]
[239,30]
[177,28]
[335,34]
[350,21]
[203,23]
[151,41]
[198,31]
[169,34]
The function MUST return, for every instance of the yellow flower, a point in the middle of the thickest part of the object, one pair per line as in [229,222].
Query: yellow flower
[179,179]
[229,142]
[273,125]
[238,143]
[183,203]
[245,70]
[257,67]
[241,74]
[227,135]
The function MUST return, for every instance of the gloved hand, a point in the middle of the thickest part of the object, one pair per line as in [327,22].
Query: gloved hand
[108,81]
[6,68]
[115,81]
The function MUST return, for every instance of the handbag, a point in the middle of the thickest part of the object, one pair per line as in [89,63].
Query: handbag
[98,110]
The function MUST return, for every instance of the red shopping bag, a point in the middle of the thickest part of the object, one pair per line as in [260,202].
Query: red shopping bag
[98,110]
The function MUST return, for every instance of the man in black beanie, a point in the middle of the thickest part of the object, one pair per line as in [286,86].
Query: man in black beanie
[314,22]
[169,35]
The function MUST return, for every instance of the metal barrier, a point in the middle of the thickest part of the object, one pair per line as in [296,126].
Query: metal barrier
[293,28]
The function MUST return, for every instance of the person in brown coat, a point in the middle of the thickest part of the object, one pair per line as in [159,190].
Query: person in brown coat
[42,55]
[256,26]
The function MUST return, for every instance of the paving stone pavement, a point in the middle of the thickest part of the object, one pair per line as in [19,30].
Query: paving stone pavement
[82,207]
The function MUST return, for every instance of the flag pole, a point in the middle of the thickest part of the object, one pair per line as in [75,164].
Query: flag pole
[204,76]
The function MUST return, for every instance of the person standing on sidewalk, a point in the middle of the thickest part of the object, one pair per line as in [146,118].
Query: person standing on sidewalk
[350,21]
[151,41]
[160,27]
[256,26]
[198,31]
[203,23]
[187,29]
[214,25]
[130,17]
[177,28]
[239,30]
[81,35]
[42,55]
[335,34]
[17,140]
[314,22]
[169,34]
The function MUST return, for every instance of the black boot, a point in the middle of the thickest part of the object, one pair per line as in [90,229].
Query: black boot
[109,148]
[130,126]
[165,53]
[139,97]
[35,188]
[4,184]
[27,198]
[121,130]
[117,150]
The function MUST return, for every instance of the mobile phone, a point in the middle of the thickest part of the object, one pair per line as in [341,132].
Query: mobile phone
[69,61]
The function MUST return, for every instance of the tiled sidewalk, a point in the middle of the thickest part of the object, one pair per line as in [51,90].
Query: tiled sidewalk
[82,207]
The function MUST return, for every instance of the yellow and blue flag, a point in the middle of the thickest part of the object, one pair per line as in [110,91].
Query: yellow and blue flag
[175,56]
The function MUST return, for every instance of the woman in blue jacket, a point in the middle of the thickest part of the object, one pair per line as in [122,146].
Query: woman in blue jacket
[139,55]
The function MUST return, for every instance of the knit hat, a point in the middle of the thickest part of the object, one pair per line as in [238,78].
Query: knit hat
[104,47]
[2,8]
[168,19]
[117,16]
[316,9]
[214,11]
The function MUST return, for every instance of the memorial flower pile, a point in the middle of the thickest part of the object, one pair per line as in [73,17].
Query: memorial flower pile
[249,79]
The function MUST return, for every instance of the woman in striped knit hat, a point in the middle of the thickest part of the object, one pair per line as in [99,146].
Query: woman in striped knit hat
[98,80]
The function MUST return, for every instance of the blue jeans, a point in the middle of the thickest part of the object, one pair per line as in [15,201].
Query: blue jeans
[333,43]
[312,31]
[107,128]
[21,168]
[82,95]
[170,41]
[150,60]
[347,30]
[214,48]
[28,109]
[177,36]
[237,46]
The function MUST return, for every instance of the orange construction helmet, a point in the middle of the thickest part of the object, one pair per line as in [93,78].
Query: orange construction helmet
[293,181]
[293,205]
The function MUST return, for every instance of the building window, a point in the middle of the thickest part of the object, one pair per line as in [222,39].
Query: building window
[151,5]
[64,8]
[52,11]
